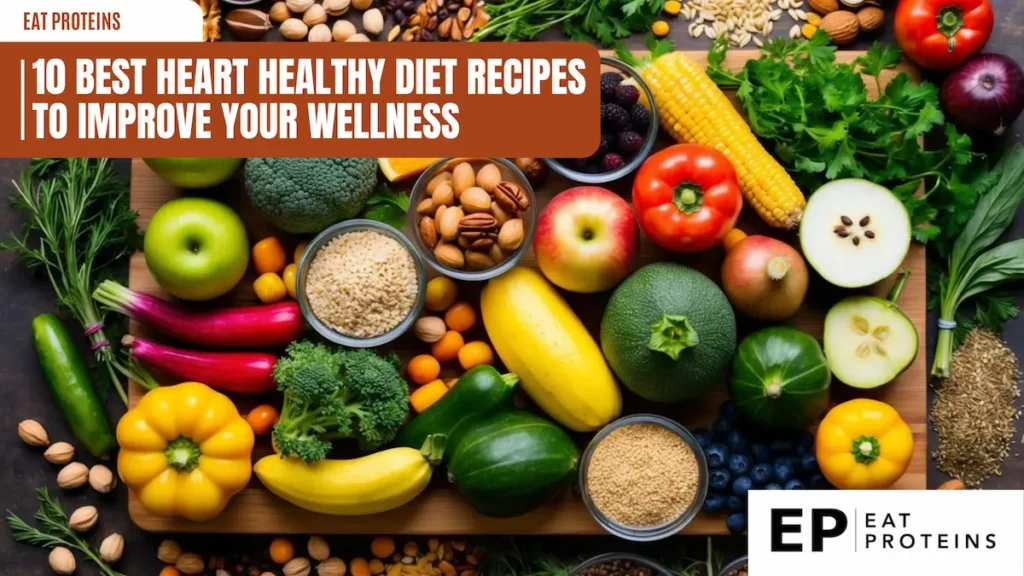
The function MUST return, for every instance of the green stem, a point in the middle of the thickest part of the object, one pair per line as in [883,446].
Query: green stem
[949,21]
[688,198]
[433,448]
[671,335]
[897,288]
[943,353]
[866,449]
[182,454]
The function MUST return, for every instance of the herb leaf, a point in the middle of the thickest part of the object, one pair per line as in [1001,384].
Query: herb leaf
[386,206]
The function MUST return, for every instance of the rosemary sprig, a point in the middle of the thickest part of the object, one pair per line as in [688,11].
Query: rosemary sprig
[54,531]
[78,227]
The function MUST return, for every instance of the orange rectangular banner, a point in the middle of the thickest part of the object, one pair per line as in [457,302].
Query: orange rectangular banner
[300,99]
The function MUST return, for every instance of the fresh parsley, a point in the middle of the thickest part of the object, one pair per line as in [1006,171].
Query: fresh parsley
[823,123]
[603,22]
[387,206]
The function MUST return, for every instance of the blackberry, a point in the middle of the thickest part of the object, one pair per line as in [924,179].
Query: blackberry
[627,94]
[640,117]
[604,146]
[614,118]
[630,143]
[612,162]
[609,81]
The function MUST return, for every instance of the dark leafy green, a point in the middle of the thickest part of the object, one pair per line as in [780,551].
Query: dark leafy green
[601,21]
[972,268]
[387,206]
[819,118]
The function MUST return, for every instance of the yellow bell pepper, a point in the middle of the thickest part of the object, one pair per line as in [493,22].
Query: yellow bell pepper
[863,445]
[185,451]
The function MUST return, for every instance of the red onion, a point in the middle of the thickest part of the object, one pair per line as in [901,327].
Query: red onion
[764,278]
[985,95]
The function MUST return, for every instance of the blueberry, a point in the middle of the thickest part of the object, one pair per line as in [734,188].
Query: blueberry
[735,503]
[721,428]
[761,452]
[795,484]
[783,472]
[782,447]
[719,479]
[761,473]
[737,441]
[728,412]
[739,464]
[714,503]
[736,522]
[742,485]
[809,463]
[772,486]
[703,436]
[818,482]
[718,455]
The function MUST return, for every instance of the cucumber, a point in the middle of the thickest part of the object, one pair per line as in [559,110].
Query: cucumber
[511,463]
[479,392]
[66,373]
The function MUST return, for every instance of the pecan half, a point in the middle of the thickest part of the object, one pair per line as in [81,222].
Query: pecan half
[478,222]
[511,197]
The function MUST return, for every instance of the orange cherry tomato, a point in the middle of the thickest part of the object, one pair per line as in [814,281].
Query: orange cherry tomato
[447,348]
[282,550]
[262,418]
[474,354]
[460,317]
[423,368]
[268,255]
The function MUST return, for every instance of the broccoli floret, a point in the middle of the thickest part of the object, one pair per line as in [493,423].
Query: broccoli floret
[336,393]
[303,195]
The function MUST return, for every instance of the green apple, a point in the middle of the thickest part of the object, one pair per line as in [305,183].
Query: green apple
[196,248]
[194,172]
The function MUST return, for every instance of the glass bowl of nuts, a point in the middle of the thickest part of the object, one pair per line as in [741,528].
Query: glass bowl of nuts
[620,564]
[472,218]
[629,128]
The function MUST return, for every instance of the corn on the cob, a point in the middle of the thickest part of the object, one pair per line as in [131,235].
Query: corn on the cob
[691,108]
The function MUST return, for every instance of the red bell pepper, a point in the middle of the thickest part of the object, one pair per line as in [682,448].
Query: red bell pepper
[687,197]
[942,34]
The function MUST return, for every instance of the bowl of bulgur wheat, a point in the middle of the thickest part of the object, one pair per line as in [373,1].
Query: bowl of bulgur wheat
[360,283]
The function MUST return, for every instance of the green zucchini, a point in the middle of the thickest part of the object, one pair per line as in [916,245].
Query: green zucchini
[481,391]
[66,373]
[512,462]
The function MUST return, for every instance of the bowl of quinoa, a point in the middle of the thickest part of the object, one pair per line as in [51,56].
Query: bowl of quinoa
[643,477]
[360,283]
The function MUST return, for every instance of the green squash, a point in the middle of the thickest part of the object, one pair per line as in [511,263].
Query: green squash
[780,378]
[511,463]
[668,333]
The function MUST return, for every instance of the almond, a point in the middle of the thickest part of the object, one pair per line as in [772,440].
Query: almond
[448,225]
[429,329]
[475,199]
[871,18]
[83,519]
[842,26]
[510,237]
[294,29]
[73,476]
[59,453]
[315,15]
[428,231]
[823,7]
[33,433]
[488,177]
[463,178]
[479,260]
[279,12]
[449,255]
[336,8]
[248,24]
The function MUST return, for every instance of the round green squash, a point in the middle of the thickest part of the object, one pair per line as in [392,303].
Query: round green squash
[668,333]
[511,463]
[780,378]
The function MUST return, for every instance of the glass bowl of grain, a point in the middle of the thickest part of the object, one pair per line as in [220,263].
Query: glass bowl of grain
[643,477]
[360,283]
[737,567]
[472,219]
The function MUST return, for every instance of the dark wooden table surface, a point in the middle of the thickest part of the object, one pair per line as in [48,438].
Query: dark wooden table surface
[24,395]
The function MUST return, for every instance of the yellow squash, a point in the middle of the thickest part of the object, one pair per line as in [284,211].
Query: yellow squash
[691,108]
[368,485]
[185,451]
[539,338]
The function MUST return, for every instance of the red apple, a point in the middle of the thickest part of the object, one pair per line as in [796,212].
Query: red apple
[586,239]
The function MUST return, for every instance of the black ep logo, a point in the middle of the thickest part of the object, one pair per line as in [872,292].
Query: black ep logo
[781,525]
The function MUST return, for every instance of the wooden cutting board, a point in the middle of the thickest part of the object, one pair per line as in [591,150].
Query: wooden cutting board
[440,510]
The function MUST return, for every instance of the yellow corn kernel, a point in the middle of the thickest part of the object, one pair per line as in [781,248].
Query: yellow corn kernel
[672,7]
[813,19]
[808,30]
[660,28]
[691,108]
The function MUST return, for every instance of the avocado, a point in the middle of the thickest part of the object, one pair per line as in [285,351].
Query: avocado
[668,333]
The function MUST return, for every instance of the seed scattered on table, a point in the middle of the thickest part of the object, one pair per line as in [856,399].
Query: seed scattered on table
[642,475]
[362,284]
